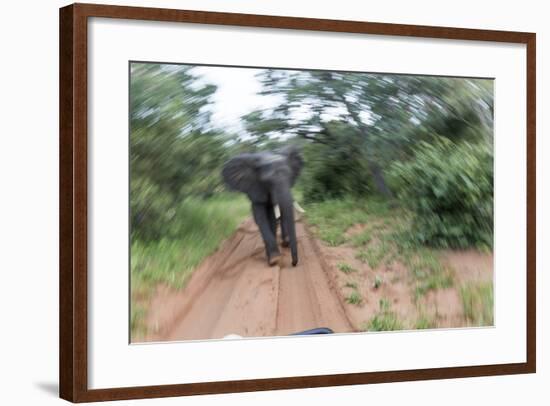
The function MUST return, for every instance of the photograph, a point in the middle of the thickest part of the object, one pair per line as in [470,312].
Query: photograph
[273,202]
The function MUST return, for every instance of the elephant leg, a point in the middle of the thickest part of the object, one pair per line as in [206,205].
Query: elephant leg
[272,219]
[262,220]
[284,235]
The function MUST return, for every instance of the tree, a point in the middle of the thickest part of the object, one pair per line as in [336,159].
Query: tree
[174,152]
[389,113]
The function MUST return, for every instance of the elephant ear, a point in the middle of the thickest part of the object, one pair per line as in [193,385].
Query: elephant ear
[239,173]
[295,161]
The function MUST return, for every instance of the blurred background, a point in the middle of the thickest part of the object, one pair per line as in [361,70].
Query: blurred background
[398,170]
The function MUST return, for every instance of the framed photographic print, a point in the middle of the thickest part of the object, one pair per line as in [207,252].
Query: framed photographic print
[256,202]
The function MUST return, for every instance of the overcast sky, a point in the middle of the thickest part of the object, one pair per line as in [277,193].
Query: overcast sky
[236,94]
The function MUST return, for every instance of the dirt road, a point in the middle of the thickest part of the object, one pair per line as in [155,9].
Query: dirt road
[235,292]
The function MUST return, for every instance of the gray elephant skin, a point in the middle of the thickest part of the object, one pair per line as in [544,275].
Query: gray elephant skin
[267,179]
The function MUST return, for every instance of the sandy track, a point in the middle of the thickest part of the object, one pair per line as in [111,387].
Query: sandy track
[235,292]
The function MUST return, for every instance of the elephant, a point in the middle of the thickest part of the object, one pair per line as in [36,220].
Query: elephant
[267,178]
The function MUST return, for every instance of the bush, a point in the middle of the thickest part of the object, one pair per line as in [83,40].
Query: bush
[449,188]
[335,171]
[150,209]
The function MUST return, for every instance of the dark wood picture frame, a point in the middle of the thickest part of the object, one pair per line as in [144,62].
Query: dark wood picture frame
[73,333]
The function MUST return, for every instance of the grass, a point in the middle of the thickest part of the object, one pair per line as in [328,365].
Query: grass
[423,322]
[137,320]
[384,320]
[362,255]
[204,225]
[374,254]
[354,298]
[385,237]
[433,282]
[332,218]
[345,268]
[362,238]
[352,285]
[428,271]
[200,228]
[477,302]
[384,304]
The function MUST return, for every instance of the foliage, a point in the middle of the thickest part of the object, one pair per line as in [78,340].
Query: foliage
[366,138]
[336,170]
[379,117]
[449,188]
[173,153]
[171,259]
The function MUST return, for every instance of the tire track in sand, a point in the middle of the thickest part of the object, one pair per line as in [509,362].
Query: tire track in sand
[234,291]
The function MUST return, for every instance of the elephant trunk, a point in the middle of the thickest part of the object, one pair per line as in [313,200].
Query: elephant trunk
[285,201]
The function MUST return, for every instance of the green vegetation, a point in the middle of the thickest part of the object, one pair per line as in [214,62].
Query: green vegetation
[352,285]
[362,256]
[380,118]
[354,298]
[374,254]
[319,180]
[361,239]
[449,189]
[205,225]
[172,156]
[407,157]
[377,282]
[427,271]
[345,268]
[332,218]
[384,320]
[423,322]
[137,320]
[434,282]
[477,300]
